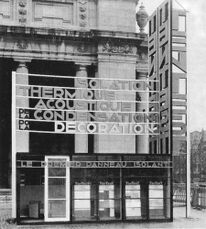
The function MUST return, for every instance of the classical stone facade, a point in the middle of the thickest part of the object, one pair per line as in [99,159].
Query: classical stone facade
[98,37]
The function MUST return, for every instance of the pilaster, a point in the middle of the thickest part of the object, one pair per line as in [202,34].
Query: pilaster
[22,138]
[81,140]
[142,141]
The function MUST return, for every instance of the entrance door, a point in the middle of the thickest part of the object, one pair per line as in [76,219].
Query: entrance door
[57,195]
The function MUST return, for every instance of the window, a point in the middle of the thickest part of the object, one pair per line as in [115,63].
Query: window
[107,201]
[82,202]
[156,205]
[132,201]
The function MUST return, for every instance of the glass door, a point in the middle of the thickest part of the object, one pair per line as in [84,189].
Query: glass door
[57,179]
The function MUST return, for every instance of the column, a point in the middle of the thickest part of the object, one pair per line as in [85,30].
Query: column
[81,140]
[22,138]
[144,196]
[142,142]
[96,137]
[2,129]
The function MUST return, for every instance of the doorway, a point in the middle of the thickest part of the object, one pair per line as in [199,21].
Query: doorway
[57,191]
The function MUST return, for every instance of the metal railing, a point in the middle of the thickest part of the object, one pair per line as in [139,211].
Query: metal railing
[197,198]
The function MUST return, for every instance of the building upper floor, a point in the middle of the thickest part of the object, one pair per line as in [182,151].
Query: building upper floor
[112,15]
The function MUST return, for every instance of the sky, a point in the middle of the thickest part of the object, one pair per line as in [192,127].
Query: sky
[196,58]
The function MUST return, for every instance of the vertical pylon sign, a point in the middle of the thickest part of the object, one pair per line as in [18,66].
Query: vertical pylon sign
[167,69]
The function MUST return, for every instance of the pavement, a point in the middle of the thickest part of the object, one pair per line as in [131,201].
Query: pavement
[196,220]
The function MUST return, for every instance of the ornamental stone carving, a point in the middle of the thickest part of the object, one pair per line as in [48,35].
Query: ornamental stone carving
[82,48]
[22,11]
[142,56]
[142,18]
[22,44]
[83,13]
[113,47]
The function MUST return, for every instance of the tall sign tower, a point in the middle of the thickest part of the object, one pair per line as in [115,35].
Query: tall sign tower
[167,66]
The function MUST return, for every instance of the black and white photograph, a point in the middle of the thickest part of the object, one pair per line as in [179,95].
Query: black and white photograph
[102,114]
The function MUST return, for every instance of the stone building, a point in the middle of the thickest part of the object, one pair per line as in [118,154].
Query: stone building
[68,47]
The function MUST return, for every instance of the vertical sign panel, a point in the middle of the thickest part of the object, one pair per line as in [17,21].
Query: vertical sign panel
[167,65]
[181,156]
[160,70]
[179,75]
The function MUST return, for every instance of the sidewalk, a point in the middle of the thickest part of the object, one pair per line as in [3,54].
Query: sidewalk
[196,221]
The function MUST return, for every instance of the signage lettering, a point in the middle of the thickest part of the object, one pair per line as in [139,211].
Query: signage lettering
[96,164]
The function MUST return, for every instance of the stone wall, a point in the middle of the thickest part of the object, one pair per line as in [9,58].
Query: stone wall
[114,15]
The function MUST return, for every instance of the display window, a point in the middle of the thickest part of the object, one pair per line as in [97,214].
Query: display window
[156,199]
[82,201]
[60,193]
[109,201]
[159,200]
[132,200]
[31,194]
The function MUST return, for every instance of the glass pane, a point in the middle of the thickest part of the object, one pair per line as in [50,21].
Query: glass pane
[57,172]
[82,202]
[82,192]
[155,191]
[107,202]
[57,209]
[132,191]
[133,203]
[57,188]
[156,202]
[106,191]
[57,167]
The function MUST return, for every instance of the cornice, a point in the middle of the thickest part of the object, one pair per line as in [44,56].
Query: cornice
[88,35]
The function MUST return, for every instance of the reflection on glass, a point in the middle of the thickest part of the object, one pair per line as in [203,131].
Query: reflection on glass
[133,203]
[57,209]
[57,188]
[82,202]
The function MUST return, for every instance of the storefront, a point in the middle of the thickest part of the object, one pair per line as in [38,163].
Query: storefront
[94,188]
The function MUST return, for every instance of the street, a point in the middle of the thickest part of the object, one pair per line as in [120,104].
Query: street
[195,221]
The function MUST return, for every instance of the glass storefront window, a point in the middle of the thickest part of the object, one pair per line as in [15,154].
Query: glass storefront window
[156,201]
[31,194]
[132,201]
[82,202]
[106,201]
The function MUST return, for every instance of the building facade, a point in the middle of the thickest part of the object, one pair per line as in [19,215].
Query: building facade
[91,129]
